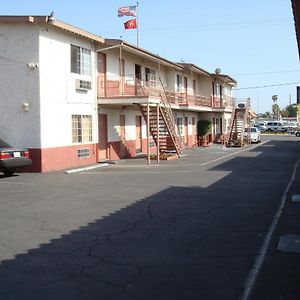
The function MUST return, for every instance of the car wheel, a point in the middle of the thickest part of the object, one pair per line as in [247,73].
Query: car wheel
[298,134]
[9,172]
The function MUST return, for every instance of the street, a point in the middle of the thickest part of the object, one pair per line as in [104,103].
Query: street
[191,228]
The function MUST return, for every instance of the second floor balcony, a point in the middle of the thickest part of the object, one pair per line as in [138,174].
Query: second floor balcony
[131,86]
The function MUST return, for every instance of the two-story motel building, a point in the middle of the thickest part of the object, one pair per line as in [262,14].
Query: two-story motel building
[74,98]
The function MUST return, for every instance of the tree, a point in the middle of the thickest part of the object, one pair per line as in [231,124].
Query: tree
[276,111]
[267,115]
[292,110]
[284,113]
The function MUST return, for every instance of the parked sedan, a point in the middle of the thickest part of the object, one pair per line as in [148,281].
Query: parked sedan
[255,135]
[12,158]
[260,127]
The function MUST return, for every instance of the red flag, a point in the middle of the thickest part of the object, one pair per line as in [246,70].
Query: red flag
[130,24]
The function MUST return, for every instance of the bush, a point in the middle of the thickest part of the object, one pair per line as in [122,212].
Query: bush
[203,128]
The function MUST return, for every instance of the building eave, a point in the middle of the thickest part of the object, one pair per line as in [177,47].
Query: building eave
[142,52]
[195,69]
[43,20]
[224,78]
[296,13]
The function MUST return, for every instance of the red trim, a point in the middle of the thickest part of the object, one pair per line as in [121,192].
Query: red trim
[60,158]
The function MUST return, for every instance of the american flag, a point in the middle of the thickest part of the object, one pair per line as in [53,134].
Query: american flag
[127,11]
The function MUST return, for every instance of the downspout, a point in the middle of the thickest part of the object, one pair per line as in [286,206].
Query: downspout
[122,72]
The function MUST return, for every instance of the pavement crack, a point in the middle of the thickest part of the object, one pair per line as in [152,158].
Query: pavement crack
[8,247]
[150,212]
[108,239]
[43,225]
[212,214]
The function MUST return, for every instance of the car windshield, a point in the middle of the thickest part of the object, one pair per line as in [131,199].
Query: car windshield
[252,129]
[3,144]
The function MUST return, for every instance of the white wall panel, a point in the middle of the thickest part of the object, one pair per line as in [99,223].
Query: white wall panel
[59,97]
[19,84]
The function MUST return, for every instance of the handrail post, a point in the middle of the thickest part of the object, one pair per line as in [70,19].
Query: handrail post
[157,137]
[148,133]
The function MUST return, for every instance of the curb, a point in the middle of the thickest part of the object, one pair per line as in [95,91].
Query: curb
[85,168]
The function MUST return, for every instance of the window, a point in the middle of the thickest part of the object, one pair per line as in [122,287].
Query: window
[217,89]
[150,77]
[82,153]
[122,67]
[179,82]
[80,60]
[194,87]
[81,128]
[180,126]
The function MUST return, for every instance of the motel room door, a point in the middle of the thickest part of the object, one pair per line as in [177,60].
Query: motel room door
[103,152]
[193,131]
[185,86]
[138,77]
[122,137]
[101,74]
[186,131]
[138,140]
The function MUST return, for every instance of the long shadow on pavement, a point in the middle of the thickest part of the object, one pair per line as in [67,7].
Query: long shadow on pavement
[180,243]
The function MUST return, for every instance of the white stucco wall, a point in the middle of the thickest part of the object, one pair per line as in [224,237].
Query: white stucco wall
[19,84]
[59,97]
[113,123]
[130,60]
[190,116]
[204,88]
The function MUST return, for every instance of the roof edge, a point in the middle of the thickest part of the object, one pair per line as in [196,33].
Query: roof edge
[129,45]
[52,22]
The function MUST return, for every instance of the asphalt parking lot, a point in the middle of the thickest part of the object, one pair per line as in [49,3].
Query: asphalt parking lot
[185,229]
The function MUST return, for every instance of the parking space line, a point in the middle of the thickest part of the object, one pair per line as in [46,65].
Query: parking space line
[233,153]
[16,183]
[130,172]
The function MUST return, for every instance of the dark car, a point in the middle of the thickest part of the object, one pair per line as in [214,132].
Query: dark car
[12,158]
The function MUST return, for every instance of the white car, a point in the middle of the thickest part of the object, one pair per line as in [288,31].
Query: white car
[291,126]
[275,126]
[260,127]
[255,135]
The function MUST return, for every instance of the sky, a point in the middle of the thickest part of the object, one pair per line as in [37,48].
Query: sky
[252,41]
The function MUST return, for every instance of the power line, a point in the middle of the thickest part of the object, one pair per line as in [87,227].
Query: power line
[265,86]
[211,27]
[265,73]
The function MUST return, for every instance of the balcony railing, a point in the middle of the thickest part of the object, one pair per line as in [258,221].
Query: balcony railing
[132,86]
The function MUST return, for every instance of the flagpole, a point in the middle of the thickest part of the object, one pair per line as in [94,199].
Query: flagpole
[137,23]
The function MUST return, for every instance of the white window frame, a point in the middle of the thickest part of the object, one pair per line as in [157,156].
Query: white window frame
[180,125]
[179,82]
[82,129]
[81,60]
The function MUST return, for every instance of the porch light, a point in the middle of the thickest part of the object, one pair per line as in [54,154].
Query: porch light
[26,106]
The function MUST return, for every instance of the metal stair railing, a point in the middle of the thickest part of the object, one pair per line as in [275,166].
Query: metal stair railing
[169,119]
[236,136]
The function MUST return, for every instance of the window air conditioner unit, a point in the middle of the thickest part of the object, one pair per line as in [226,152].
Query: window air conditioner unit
[83,85]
